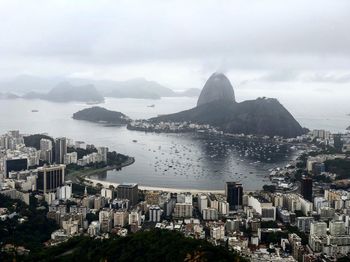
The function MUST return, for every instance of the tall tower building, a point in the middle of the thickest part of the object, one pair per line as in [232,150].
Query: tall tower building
[306,188]
[338,143]
[128,191]
[103,151]
[234,195]
[50,178]
[60,150]
[46,150]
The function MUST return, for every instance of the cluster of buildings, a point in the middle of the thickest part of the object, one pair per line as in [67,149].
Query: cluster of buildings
[170,127]
[302,224]
[27,169]
[255,224]
[341,142]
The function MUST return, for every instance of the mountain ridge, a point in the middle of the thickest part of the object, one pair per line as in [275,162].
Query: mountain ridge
[35,87]
[263,116]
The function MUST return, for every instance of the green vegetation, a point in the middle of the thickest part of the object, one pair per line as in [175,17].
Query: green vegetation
[115,159]
[154,245]
[322,178]
[81,151]
[341,167]
[34,140]
[32,233]
[269,188]
[269,224]
[78,189]
[302,235]
[100,114]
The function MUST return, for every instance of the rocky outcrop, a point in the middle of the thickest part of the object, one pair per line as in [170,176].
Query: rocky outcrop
[263,116]
[217,88]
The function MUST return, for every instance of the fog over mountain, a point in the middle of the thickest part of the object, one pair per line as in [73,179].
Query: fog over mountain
[217,107]
[174,42]
[46,88]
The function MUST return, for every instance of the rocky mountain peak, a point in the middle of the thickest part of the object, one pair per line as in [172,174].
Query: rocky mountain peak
[218,87]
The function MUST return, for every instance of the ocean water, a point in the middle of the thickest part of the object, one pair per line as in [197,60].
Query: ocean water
[172,160]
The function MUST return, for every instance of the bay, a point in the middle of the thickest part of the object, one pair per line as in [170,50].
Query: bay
[165,160]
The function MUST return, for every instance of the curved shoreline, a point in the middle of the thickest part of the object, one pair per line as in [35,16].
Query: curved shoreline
[80,176]
[106,184]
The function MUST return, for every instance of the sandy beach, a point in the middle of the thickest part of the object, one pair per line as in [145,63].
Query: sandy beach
[106,184]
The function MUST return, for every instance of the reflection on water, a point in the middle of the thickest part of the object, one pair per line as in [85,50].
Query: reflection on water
[172,160]
[203,162]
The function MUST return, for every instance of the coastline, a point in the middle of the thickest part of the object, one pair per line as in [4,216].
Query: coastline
[107,184]
[80,176]
[95,182]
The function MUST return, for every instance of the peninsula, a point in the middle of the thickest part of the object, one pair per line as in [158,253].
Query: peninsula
[217,107]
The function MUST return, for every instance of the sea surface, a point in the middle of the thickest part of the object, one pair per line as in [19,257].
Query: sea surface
[171,160]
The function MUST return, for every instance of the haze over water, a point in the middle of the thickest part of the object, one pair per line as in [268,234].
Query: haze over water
[174,160]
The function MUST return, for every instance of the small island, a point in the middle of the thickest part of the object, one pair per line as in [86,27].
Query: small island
[98,114]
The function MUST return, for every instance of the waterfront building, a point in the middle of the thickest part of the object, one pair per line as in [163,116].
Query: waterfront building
[129,191]
[234,195]
[103,152]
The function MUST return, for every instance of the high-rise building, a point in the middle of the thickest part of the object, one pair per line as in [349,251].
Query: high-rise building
[306,188]
[129,191]
[318,228]
[182,210]
[202,202]
[107,193]
[338,143]
[60,150]
[121,218]
[103,151]
[263,207]
[64,192]
[337,228]
[46,150]
[234,195]
[50,178]
[15,164]
[210,214]
[155,213]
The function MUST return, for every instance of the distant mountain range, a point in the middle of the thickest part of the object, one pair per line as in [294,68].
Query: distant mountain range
[217,106]
[31,87]
[8,95]
[65,92]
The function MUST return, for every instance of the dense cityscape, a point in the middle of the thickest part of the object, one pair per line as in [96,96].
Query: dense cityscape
[302,215]
[174,131]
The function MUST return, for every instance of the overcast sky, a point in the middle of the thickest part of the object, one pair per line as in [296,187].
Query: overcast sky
[270,43]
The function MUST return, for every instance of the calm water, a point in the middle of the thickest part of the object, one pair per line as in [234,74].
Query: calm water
[172,160]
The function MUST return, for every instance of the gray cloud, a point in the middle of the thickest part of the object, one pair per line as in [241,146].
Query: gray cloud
[190,39]
[330,78]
